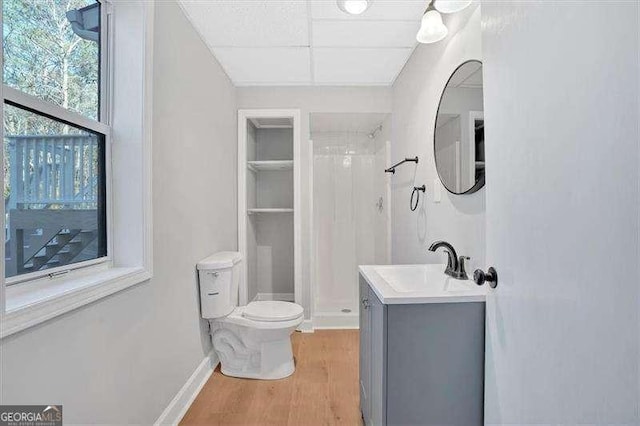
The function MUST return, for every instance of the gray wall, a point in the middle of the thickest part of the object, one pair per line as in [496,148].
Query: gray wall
[123,358]
[459,219]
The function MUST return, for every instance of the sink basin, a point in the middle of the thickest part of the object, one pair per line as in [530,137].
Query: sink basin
[412,278]
[419,284]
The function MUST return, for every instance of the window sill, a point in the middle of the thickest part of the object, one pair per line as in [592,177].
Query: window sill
[30,304]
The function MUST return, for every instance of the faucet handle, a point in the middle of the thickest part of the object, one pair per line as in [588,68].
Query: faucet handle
[462,273]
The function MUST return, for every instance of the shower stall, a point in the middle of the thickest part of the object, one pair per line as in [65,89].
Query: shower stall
[350,211]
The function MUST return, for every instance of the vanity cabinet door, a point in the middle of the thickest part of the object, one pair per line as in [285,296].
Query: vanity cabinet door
[365,351]
[378,360]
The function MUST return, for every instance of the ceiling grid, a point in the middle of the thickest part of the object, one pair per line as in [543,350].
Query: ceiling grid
[310,24]
[307,42]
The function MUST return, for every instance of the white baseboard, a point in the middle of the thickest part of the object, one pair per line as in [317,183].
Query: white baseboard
[306,326]
[329,321]
[288,297]
[180,403]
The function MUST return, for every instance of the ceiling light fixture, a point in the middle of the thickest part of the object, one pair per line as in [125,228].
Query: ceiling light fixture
[354,7]
[431,29]
[451,6]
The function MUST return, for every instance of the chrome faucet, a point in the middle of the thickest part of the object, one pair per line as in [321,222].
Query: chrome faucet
[455,265]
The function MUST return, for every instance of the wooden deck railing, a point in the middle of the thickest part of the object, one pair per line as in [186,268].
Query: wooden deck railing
[52,170]
[53,187]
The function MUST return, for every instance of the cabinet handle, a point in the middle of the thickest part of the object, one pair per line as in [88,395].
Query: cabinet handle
[365,303]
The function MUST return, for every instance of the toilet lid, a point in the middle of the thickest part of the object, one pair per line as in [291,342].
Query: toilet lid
[272,310]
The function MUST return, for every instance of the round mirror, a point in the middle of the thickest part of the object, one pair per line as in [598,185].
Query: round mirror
[458,140]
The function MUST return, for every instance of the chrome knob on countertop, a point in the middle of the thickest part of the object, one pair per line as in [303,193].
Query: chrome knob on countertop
[491,276]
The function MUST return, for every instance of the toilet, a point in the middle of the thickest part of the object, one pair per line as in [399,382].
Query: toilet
[252,341]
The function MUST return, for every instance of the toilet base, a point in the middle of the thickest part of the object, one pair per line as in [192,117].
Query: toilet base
[272,360]
[280,372]
[248,352]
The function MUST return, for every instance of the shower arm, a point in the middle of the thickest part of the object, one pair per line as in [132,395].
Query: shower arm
[392,169]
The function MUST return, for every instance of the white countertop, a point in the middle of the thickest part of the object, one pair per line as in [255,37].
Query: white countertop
[415,284]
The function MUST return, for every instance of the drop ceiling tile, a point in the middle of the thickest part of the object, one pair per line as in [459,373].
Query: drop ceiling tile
[249,23]
[475,79]
[365,33]
[387,10]
[468,75]
[261,66]
[358,66]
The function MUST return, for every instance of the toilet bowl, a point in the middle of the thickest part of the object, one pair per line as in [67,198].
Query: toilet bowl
[252,341]
[256,348]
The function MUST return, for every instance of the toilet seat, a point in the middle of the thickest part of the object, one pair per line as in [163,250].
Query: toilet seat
[237,317]
[272,311]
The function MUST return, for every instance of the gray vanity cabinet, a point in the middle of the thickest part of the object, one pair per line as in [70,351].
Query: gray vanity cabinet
[373,348]
[421,364]
[365,352]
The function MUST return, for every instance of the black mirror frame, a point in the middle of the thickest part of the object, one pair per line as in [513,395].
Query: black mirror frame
[481,181]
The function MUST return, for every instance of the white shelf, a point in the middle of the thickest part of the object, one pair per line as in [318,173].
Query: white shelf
[256,211]
[270,165]
[272,122]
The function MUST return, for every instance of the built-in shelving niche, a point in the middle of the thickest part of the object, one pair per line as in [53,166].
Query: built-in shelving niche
[267,204]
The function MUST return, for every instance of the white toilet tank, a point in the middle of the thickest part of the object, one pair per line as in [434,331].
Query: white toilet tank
[219,277]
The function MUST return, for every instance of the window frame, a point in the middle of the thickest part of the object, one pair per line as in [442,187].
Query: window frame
[125,120]
[50,110]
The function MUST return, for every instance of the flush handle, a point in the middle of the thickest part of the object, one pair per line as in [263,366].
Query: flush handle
[365,303]
[214,274]
[491,277]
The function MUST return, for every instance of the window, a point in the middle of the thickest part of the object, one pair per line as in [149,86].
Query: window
[77,169]
[52,51]
[55,137]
